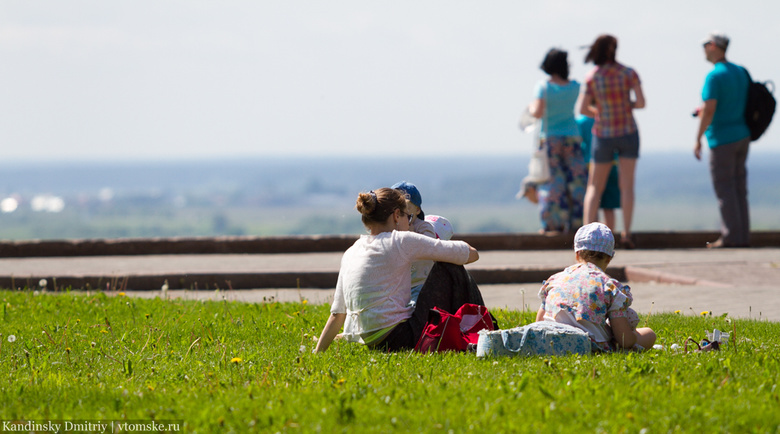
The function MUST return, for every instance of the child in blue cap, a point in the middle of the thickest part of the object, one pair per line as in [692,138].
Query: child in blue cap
[586,297]
[420,269]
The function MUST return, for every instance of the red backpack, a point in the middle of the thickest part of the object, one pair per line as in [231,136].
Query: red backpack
[454,332]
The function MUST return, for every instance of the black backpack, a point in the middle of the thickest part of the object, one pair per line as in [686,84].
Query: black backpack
[760,106]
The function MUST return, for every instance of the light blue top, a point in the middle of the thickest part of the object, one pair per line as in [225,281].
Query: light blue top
[728,84]
[558,119]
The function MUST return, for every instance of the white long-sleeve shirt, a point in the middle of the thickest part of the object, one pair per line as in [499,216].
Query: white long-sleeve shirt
[374,281]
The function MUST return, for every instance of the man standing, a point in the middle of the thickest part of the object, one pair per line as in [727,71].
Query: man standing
[722,121]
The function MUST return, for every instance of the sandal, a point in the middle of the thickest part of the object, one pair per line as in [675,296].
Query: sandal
[706,345]
[627,242]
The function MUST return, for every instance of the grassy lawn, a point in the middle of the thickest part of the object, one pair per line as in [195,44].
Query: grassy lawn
[223,366]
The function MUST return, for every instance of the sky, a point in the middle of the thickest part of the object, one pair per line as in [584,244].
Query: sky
[129,80]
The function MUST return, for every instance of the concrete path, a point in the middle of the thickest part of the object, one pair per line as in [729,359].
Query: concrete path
[744,283]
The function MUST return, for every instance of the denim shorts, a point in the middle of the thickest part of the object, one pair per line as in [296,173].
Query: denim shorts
[605,148]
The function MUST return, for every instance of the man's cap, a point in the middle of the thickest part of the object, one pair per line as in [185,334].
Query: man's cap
[596,237]
[413,193]
[719,39]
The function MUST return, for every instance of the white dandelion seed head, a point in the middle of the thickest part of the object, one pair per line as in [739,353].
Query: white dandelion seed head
[11,338]
[42,283]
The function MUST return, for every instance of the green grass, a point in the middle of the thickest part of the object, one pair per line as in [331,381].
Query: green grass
[223,366]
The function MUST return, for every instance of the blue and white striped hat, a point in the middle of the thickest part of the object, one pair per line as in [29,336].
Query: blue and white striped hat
[595,237]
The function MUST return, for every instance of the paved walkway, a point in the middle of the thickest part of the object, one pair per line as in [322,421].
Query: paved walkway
[741,282]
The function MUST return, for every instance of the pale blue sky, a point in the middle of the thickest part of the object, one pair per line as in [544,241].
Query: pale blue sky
[142,79]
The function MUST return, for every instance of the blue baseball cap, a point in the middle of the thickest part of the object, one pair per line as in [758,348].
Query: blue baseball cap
[413,193]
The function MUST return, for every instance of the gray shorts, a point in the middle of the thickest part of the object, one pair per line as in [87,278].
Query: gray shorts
[605,148]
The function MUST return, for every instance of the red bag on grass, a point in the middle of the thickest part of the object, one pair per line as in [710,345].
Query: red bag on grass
[454,332]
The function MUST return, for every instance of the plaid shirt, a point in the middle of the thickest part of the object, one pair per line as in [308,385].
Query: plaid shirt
[610,86]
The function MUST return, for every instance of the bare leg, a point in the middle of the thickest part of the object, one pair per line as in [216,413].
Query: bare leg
[609,218]
[645,337]
[597,181]
[626,173]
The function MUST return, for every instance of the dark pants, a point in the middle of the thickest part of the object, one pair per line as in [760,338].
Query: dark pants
[447,287]
[729,178]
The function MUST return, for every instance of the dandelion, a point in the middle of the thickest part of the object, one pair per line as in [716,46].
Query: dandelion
[677,311]
[305,302]
[92,344]
[705,313]
[67,350]
[236,360]
[121,294]
[147,316]
[151,389]
[42,283]
[11,338]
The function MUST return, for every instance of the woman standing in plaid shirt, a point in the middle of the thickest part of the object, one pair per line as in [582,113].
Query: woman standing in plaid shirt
[607,98]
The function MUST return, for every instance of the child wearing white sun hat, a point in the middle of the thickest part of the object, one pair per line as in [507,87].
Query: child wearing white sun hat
[441,227]
[586,297]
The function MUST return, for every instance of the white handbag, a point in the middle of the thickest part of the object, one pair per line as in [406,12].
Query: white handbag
[539,165]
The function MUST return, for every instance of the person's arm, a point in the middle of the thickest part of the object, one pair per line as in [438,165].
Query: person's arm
[329,332]
[625,336]
[639,102]
[540,314]
[705,119]
[536,108]
[458,252]
[586,105]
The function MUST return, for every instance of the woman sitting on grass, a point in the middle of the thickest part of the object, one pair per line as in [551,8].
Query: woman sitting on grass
[374,283]
[584,296]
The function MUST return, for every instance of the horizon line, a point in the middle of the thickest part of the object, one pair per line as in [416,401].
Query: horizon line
[12,161]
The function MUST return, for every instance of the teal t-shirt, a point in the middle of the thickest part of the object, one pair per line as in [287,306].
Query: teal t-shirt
[558,119]
[728,84]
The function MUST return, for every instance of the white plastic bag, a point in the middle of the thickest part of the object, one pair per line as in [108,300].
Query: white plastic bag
[539,167]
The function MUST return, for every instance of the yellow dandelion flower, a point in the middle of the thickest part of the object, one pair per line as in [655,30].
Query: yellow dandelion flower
[305,302]
[236,360]
[151,389]
[341,381]
[67,350]
[704,313]
[104,331]
[121,294]
[677,311]
[147,316]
